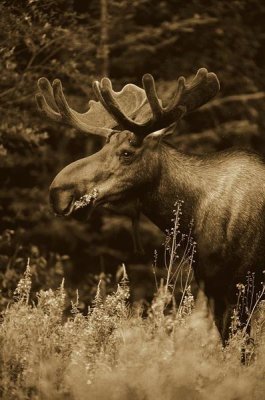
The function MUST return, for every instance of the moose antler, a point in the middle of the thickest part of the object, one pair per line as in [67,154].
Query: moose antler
[188,97]
[133,108]
[97,120]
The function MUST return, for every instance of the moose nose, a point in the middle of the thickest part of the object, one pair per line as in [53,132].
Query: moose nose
[61,200]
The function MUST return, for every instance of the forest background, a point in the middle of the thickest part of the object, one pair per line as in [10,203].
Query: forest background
[79,41]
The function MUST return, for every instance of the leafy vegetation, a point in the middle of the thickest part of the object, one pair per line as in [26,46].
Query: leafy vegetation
[165,350]
[115,353]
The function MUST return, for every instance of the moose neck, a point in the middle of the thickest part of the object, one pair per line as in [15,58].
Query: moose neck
[180,178]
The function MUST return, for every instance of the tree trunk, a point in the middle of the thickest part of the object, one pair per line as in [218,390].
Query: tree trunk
[103,52]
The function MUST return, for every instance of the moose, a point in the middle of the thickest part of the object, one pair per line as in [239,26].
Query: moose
[223,193]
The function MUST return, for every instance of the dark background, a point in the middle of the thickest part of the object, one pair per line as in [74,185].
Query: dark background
[67,40]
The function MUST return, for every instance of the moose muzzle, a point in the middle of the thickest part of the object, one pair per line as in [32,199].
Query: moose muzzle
[62,200]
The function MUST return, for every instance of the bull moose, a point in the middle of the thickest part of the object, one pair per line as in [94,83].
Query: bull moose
[223,193]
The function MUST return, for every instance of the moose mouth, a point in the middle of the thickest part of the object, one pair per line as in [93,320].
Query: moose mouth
[86,200]
[83,206]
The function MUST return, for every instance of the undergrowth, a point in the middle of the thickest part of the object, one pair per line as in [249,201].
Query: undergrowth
[114,353]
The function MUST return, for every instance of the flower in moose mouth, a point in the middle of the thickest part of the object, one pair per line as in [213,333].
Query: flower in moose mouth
[85,200]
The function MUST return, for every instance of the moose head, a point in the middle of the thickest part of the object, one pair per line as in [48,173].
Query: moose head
[133,121]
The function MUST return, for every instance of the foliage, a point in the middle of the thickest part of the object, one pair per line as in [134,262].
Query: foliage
[117,350]
[113,353]
[47,270]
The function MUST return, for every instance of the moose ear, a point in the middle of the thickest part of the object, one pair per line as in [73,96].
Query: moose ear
[163,132]
[159,133]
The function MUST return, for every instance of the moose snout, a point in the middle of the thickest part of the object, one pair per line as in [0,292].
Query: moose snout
[61,200]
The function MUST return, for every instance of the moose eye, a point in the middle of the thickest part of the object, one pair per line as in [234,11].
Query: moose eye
[126,154]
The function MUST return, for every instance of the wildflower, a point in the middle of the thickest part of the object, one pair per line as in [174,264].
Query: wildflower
[22,291]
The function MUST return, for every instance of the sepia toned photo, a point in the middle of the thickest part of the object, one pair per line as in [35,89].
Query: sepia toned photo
[132,201]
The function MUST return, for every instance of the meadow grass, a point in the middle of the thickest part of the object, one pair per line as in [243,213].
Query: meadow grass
[117,352]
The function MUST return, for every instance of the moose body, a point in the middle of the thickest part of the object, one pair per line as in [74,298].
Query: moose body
[222,193]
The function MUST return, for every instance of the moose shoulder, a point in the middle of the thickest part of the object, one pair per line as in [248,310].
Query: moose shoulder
[223,193]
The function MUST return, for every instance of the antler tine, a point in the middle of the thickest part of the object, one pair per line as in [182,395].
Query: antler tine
[104,93]
[52,102]
[46,109]
[162,114]
[66,112]
[97,92]
[189,96]
[181,85]
[72,117]
[46,89]
[112,106]
[45,100]
[150,90]
[200,90]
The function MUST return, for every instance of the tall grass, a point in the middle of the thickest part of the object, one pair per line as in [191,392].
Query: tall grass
[115,353]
